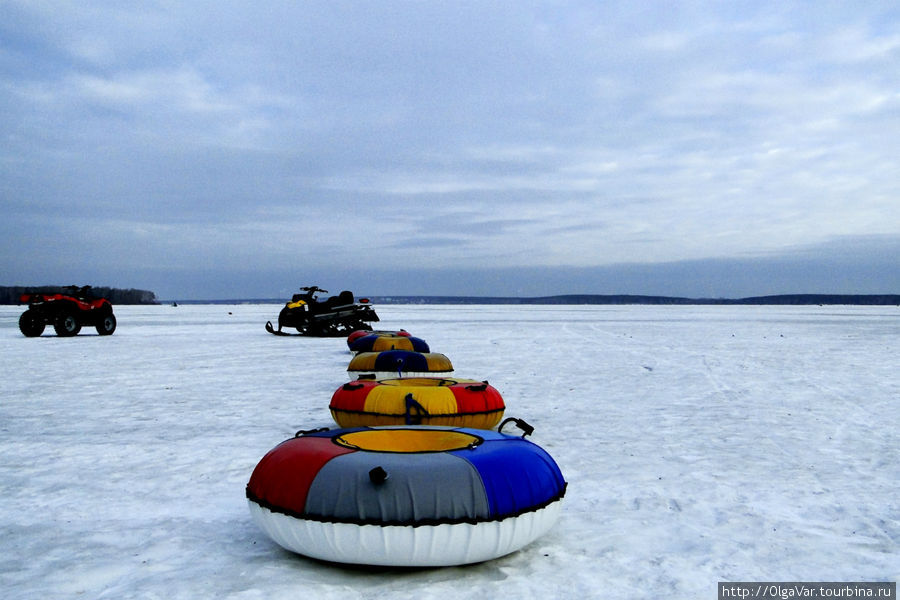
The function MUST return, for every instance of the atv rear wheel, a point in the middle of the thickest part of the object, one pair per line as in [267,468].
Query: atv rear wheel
[30,324]
[67,325]
[107,325]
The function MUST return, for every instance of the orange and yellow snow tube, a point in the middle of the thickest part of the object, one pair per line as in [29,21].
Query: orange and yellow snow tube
[417,401]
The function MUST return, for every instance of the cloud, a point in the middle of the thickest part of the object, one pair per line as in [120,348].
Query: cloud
[574,135]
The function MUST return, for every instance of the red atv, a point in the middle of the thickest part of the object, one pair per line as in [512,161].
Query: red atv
[66,312]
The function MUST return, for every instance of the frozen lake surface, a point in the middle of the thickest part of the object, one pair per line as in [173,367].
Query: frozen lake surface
[700,443]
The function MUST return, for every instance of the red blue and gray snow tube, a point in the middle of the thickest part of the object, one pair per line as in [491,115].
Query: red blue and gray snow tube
[406,496]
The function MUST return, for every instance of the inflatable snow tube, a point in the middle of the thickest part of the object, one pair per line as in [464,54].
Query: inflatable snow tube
[407,496]
[355,335]
[399,363]
[418,401]
[382,342]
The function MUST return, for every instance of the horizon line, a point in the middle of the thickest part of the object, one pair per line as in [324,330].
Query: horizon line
[773,299]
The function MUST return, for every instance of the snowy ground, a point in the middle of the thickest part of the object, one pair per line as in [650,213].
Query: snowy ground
[701,444]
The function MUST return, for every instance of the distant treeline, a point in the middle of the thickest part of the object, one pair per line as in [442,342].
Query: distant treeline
[11,294]
[786,299]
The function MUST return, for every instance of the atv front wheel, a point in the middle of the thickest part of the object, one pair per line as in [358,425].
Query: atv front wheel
[66,325]
[107,325]
[30,324]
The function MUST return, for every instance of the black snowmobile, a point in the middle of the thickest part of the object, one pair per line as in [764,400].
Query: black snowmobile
[337,316]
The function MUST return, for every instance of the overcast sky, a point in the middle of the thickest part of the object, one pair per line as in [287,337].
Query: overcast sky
[243,149]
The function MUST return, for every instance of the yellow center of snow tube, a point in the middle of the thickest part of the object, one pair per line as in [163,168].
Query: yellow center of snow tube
[407,440]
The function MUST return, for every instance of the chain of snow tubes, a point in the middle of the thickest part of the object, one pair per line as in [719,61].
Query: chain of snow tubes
[415,411]
[520,423]
[413,405]
[303,432]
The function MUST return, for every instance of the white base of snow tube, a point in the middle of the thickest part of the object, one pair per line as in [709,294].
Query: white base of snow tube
[396,375]
[397,545]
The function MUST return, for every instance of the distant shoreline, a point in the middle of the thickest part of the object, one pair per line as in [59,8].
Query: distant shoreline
[597,299]
[10,295]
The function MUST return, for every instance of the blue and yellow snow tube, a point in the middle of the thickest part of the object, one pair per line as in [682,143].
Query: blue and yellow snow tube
[399,363]
[405,496]
[355,335]
[379,342]
[417,401]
